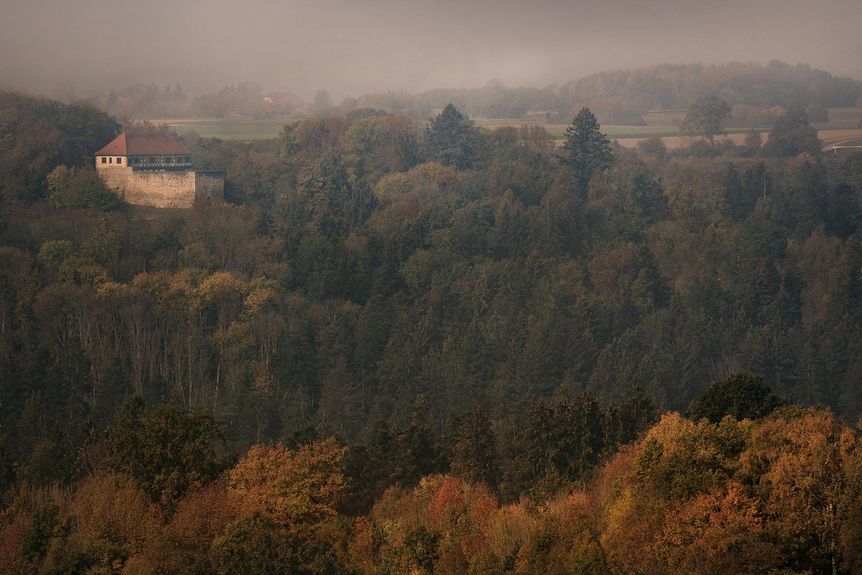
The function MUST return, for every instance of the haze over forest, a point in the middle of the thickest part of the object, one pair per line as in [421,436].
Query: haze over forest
[353,48]
[439,288]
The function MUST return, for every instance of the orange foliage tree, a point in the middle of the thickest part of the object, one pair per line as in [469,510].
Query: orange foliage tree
[289,487]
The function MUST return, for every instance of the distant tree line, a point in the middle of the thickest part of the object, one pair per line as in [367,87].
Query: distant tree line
[755,93]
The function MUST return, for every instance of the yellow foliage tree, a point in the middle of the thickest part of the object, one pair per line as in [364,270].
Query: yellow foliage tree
[801,462]
[113,519]
[301,486]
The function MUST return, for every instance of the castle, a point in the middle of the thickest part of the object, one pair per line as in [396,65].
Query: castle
[156,170]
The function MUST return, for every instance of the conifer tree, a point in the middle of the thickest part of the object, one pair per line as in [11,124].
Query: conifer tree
[452,139]
[589,151]
[474,454]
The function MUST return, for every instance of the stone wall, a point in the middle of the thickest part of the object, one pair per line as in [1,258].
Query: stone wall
[164,189]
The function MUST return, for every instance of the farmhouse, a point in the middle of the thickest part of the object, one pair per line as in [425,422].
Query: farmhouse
[156,170]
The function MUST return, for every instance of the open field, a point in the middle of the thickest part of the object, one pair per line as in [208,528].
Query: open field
[838,137]
[842,118]
[558,131]
[227,129]
[828,137]
[842,125]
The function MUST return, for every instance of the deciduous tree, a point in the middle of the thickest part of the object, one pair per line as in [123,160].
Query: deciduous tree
[792,135]
[740,396]
[706,117]
[166,449]
[289,487]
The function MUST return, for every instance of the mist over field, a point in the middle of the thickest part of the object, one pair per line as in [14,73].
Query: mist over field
[359,47]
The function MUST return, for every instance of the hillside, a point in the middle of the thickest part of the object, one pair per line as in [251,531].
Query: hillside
[380,302]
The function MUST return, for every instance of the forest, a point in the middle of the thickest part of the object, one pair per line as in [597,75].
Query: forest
[425,347]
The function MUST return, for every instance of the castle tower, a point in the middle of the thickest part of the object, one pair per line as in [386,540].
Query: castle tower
[156,170]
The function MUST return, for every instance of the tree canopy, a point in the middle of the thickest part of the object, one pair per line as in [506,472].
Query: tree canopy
[706,117]
[588,150]
[166,449]
[452,139]
[792,135]
[740,396]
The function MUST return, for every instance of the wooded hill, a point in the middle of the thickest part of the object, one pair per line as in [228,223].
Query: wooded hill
[622,96]
[374,280]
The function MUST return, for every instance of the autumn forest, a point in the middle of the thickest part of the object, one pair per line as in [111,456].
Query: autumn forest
[420,345]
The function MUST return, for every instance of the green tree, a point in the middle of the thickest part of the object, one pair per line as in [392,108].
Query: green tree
[417,452]
[38,535]
[166,449]
[561,440]
[653,146]
[256,545]
[753,142]
[626,419]
[741,396]
[80,188]
[706,117]
[337,202]
[474,454]
[792,135]
[41,134]
[452,139]
[589,151]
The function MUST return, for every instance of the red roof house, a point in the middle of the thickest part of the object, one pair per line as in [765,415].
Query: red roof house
[144,145]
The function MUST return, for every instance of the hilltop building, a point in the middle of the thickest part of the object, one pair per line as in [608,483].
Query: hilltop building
[156,170]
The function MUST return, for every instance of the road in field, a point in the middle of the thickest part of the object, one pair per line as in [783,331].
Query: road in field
[850,138]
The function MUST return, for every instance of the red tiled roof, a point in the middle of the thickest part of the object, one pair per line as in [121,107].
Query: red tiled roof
[144,145]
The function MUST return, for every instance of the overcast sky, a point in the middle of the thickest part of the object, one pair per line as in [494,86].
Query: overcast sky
[360,46]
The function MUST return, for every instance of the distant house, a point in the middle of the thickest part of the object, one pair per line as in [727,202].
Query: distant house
[286,102]
[156,170]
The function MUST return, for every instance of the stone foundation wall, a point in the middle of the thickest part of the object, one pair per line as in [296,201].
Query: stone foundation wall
[152,188]
[164,189]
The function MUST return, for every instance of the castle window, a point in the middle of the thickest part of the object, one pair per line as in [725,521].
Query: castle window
[104,160]
[110,160]
[119,160]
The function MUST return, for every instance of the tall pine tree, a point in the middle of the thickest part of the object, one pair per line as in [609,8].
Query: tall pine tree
[474,454]
[589,151]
